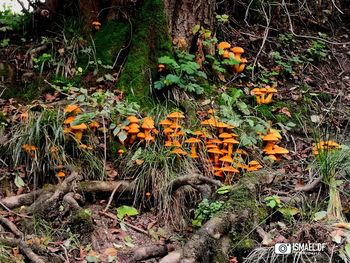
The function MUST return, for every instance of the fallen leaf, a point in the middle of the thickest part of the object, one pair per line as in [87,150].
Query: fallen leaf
[111,251]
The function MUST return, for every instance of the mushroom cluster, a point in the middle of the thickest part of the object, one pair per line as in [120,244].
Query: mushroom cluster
[77,130]
[143,131]
[216,139]
[271,149]
[264,95]
[173,133]
[324,146]
[30,150]
[235,53]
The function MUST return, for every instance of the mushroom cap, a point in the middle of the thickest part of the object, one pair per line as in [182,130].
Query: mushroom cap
[276,133]
[148,123]
[192,140]
[215,151]
[226,159]
[226,54]
[271,90]
[251,163]
[199,133]
[209,146]
[244,60]
[133,130]
[263,90]
[269,146]
[141,135]
[230,141]
[194,155]
[214,141]
[60,174]
[69,120]
[79,127]
[94,124]
[256,91]
[224,45]
[178,151]
[234,135]
[120,151]
[225,135]
[96,23]
[72,109]
[176,115]
[168,130]
[165,122]
[176,144]
[280,150]
[270,137]
[134,125]
[168,144]
[175,126]
[252,168]
[133,119]
[270,151]
[161,66]
[332,144]
[221,125]
[237,50]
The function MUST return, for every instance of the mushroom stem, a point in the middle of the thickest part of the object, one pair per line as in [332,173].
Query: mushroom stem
[258,99]
[132,138]
[193,149]
[268,99]
[230,149]
[216,159]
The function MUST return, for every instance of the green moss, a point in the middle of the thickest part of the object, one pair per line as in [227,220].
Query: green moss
[150,41]
[112,37]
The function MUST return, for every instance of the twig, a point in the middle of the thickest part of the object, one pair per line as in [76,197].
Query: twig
[112,216]
[284,6]
[24,247]
[104,145]
[9,210]
[11,226]
[65,253]
[266,33]
[111,197]
[309,187]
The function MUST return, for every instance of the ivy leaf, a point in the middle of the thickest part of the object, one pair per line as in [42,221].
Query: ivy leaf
[195,29]
[243,108]
[124,210]
[224,190]
[171,79]
[247,140]
[19,182]
[159,85]
[122,136]
[320,215]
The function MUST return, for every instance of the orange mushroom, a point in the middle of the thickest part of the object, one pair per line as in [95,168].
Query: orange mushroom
[193,142]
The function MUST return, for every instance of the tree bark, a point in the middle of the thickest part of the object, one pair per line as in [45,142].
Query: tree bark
[183,15]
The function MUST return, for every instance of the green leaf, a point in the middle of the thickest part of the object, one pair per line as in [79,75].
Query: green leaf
[128,241]
[158,85]
[224,190]
[19,182]
[347,249]
[84,118]
[195,29]
[171,79]
[92,259]
[289,211]
[124,210]
[122,135]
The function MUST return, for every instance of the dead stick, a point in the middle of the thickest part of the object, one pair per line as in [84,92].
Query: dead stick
[112,216]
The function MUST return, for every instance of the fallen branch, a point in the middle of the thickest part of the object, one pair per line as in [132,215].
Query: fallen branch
[12,242]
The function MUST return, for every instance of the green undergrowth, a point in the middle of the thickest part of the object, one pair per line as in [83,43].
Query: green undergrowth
[149,42]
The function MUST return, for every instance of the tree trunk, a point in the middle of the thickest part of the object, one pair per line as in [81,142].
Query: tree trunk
[183,15]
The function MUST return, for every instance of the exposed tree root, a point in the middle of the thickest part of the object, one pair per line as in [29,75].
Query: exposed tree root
[12,242]
[54,192]
[148,252]
[211,241]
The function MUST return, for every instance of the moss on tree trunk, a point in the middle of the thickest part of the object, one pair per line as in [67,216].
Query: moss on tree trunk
[150,40]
